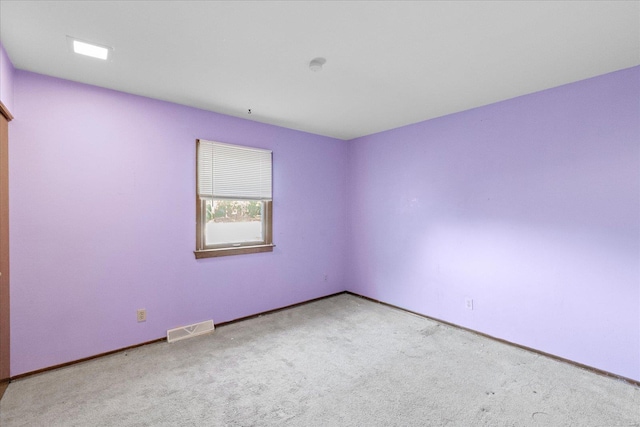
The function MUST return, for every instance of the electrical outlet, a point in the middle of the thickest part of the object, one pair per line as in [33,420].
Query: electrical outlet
[142,315]
[468,303]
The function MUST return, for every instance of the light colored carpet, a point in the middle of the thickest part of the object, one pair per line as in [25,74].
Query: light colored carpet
[341,361]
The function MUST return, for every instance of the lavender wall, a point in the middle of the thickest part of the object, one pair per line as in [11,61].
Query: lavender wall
[530,206]
[6,79]
[102,221]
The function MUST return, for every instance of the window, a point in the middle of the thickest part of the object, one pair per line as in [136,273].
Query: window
[233,203]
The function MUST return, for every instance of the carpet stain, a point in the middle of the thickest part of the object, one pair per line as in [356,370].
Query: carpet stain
[540,417]
[427,332]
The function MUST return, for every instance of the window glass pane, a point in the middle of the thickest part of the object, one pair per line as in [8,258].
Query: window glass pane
[233,221]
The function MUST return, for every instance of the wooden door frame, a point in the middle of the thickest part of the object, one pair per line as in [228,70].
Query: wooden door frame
[5,367]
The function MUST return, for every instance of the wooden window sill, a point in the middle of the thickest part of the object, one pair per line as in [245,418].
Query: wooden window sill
[241,250]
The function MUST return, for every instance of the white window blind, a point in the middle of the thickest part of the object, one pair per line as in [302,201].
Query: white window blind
[233,171]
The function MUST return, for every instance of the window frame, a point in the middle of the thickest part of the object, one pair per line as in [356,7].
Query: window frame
[208,251]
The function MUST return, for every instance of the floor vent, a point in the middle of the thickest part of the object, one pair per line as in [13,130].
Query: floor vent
[189,331]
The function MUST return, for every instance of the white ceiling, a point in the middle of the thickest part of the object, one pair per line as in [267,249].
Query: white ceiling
[388,63]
